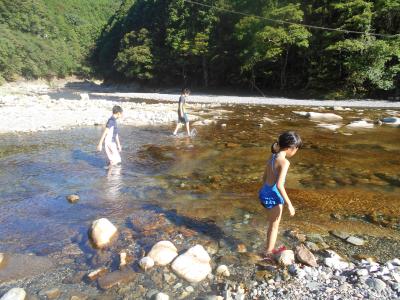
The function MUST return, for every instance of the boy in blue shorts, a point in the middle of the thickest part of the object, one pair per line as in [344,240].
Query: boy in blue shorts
[182,115]
[110,138]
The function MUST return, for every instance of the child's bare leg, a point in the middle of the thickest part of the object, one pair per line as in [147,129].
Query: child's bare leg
[187,128]
[274,219]
[177,127]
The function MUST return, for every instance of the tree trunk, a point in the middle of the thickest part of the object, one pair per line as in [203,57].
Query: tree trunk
[283,71]
[205,71]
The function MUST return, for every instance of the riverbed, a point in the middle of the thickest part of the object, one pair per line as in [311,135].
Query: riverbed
[200,190]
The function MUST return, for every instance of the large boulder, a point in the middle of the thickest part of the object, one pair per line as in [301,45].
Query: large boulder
[193,265]
[163,253]
[102,231]
[14,294]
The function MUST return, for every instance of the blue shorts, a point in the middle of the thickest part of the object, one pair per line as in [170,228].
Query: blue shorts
[183,119]
[270,196]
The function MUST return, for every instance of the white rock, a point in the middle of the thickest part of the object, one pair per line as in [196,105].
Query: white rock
[146,263]
[163,253]
[335,263]
[84,96]
[395,262]
[362,272]
[223,125]
[360,124]
[14,294]
[316,116]
[223,270]
[102,231]
[332,127]
[286,257]
[161,296]
[193,265]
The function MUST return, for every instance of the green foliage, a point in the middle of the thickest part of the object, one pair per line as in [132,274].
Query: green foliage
[48,38]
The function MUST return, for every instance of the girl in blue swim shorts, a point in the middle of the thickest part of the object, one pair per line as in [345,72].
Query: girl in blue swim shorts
[273,195]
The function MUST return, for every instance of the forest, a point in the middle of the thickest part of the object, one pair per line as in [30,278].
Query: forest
[263,46]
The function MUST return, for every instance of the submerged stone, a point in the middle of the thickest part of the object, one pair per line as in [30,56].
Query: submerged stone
[102,231]
[116,278]
[163,253]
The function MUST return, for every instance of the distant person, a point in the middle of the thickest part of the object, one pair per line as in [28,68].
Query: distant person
[182,115]
[273,194]
[110,138]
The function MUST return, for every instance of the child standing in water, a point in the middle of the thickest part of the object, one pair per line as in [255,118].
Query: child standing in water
[273,194]
[110,138]
[182,116]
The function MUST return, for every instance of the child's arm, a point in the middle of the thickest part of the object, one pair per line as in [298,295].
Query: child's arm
[103,136]
[280,184]
[118,143]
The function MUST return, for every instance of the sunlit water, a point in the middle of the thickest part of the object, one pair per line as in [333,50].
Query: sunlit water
[208,184]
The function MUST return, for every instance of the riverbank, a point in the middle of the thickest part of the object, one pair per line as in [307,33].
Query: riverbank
[37,106]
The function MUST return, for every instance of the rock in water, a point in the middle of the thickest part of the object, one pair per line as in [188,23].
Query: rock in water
[116,278]
[102,231]
[223,270]
[163,253]
[14,294]
[73,198]
[355,241]
[339,234]
[327,117]
[305,256]
[193,265]
[146,263]
[161,296]
[286,257]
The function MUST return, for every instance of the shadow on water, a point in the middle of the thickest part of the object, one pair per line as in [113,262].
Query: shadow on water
[205,226]
[91,159]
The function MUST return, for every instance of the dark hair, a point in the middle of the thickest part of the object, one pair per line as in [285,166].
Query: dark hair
[185,91]
[117,109]
[286,140]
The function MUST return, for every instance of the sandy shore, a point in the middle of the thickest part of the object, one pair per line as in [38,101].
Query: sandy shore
[36,106]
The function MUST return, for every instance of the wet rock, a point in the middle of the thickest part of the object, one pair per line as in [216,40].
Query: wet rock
[163,253]
[124,259]
[327,117]
[53,293]
[376,284]
[193,265]
[332,127]
[161,296]
[241,248]
[146,263]
[286,257]
[223,270]
[73,198]
[340,234]
[305,256]
[116,278]
[97,273]
[355,241]
[14,294]
[102,231]
[19,266]
[74,278]
[360,124]
[294,234]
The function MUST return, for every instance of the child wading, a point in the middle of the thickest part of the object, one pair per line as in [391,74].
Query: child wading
[273,194]
[182,116]
[110,138]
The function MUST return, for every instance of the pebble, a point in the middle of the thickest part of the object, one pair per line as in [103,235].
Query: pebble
[14,294]
[73,198]
[161,296]
[146,263]
[116,278]
[355,241]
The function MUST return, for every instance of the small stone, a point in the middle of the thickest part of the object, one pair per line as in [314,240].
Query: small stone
[73,198]
[376,284]
[286,257]
[97,273]
[340,234]
[102,231]
[14,294]
[116,278]
[53,293]
[146,263]
[315,238]
[395,262]
[355,241]
[362,272]
[241,248]
[305,256]
[223,270]
[161,296]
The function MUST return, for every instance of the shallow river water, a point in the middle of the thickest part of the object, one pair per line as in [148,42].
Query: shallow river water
[177,188]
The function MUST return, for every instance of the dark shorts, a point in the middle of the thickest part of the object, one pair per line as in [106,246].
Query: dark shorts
[183,119]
